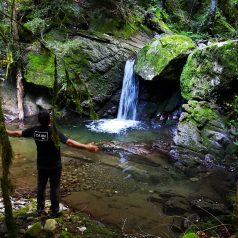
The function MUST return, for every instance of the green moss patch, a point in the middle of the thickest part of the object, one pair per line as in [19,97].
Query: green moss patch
[40,69]
[200,112]
[155,56]
[210,70]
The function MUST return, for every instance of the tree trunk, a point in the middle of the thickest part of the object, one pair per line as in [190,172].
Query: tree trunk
[19,82]
[20,93]
[6,156]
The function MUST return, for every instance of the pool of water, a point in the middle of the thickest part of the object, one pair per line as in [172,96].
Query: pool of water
[140,192]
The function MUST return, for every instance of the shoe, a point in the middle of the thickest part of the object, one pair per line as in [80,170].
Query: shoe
[54,214]
[39,212]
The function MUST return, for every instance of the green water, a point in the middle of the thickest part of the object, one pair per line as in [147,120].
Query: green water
[141,193]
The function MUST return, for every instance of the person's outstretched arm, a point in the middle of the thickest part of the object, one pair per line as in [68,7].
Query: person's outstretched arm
[90,147]
[14,133]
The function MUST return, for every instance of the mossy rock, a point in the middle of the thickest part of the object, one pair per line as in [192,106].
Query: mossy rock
[65,234]
[155,56]
[200,112]
[222,27]
[190,235]
[230,11]
[40,69]
[34,230]
[210,70]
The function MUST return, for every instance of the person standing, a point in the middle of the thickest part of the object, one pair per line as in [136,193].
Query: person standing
[49,166]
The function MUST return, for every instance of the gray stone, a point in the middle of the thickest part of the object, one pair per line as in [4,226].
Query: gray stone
[50,225]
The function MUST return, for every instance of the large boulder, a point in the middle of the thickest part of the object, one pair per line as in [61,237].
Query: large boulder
[210,71]
[201,139]
[209,81]
[158,54]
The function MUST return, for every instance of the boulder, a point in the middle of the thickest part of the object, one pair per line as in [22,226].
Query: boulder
[209,81]
[154,57]
[210,71]
[201,138]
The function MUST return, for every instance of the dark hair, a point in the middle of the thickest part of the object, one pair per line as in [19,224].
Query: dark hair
[44,117]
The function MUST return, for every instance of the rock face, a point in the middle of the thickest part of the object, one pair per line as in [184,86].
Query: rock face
[155,56]
[33,100]
[96,60]
[202,138]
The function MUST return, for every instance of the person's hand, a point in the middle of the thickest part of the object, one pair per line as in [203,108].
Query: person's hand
[92,147]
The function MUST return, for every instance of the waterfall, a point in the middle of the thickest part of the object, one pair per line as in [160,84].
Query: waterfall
[126,117]
[129,94]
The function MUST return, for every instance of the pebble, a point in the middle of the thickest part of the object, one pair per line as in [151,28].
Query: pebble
[194,179]
[82,228]
[16,204]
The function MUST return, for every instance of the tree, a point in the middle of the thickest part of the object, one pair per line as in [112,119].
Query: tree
[6,156]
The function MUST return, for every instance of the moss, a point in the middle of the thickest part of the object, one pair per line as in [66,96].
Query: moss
[57,34]
[200,112]
[65,234]
[34,230]
[222,27]
[40,69]
[114,25]
[230,11]
[155,56]
[189,234]
[209,70]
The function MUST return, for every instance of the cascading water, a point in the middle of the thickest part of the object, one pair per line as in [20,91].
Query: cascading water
[129,95]
[126,117]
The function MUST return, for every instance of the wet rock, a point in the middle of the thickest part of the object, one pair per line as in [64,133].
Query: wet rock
[190,220]
[131,148]
[162,145]
[176,205]
[206,207]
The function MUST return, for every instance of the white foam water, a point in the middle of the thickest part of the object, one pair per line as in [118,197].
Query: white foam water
[113,126]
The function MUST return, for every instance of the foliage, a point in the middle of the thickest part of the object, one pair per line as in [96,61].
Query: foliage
[195,36]
[36,26]
[56,10]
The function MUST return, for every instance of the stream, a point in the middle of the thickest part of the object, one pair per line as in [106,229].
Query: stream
[131,183]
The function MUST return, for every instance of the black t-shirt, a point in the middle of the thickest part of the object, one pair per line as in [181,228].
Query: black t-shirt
[48,155]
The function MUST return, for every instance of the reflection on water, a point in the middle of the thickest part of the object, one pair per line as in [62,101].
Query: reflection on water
[143,192]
